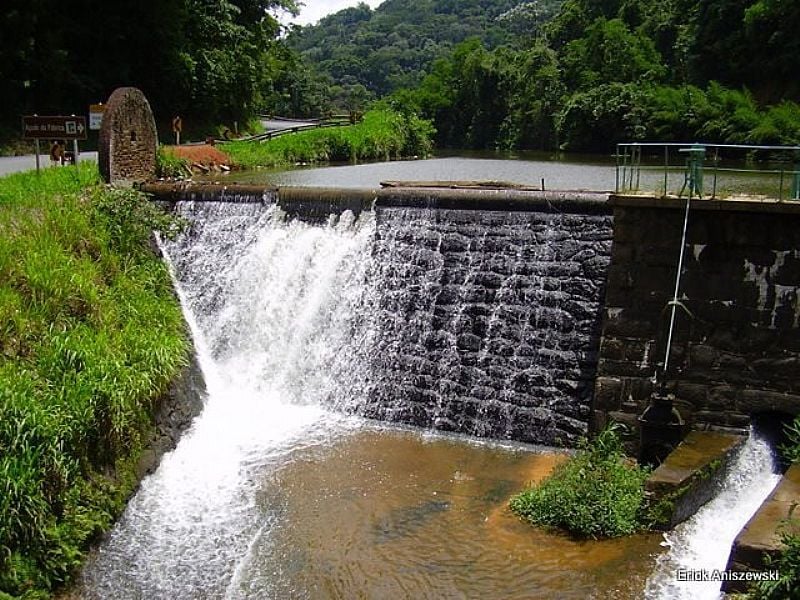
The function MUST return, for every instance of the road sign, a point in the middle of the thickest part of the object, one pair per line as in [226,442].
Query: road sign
[57,128]
[96,116]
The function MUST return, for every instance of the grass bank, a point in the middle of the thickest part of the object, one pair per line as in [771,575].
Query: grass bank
[90,337]
[382,135]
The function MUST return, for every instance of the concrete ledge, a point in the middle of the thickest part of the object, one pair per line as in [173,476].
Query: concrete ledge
[313,201]
[761,537]
[504,199]
[734,204]
[318,203]
[174,191]
[690,476]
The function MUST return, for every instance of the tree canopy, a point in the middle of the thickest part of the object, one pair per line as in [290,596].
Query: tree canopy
[602,71]
[216,59]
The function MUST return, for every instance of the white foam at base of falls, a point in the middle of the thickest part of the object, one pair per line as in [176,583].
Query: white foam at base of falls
[268,346]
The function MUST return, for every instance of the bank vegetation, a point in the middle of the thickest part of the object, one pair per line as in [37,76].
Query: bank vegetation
[91,335]
[383,134]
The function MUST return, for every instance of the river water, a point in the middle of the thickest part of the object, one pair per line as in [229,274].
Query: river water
[273,494]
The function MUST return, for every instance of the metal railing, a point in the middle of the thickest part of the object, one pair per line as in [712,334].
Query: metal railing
[332,121]
[712,171]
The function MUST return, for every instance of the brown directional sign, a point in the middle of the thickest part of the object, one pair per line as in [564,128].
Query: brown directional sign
[56,128]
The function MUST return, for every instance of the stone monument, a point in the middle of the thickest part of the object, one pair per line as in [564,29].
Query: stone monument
[128,138]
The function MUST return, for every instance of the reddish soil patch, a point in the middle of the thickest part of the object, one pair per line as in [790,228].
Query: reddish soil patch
[201,154]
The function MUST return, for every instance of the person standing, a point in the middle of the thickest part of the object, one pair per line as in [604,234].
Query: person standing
[56,154]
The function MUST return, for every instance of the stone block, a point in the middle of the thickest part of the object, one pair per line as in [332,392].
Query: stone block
[753,401]
[761,536]
[608,393]
[128,138]
[689,476]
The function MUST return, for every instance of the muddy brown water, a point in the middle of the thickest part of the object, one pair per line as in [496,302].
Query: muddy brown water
[402,514]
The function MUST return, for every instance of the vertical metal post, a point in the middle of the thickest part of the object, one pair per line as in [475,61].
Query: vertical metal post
[36,143]
[75,152]
[666,169]
[616,183]
[633,167]
[796,177]
[639,169]
[780,186]
[674,302]
[624,166]
[716,166]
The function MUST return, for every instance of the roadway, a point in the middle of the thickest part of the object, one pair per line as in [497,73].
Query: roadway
[14,164]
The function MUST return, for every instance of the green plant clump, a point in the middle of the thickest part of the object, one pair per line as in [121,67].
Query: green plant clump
[90,337]
[597,493]
[169,166]
[383,134]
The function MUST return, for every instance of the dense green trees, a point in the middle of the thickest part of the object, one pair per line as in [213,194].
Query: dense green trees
[394,46]
[214,60]
[604,71]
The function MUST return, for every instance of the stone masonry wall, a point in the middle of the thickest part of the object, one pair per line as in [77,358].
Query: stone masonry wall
[738,351]
[487,322]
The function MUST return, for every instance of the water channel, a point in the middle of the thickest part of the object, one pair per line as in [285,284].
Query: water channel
[280,489]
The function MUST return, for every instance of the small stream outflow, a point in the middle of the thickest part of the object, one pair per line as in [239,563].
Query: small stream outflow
[700,546]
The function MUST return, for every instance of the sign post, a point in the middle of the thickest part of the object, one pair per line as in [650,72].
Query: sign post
[37,128]
[96,116]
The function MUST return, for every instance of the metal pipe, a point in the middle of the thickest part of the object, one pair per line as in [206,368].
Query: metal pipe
[674,302]
[716,168]
[666,169]
[639,170]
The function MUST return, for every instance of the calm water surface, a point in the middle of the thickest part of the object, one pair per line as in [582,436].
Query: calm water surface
[391,513]
[559,172]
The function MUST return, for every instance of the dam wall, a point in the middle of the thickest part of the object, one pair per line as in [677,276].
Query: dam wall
[537,316]
[736,341]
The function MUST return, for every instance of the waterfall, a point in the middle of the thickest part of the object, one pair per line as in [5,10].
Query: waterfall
[272,305]
[483,322]
[703,542]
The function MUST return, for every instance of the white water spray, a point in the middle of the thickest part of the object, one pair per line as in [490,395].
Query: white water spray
[272,307]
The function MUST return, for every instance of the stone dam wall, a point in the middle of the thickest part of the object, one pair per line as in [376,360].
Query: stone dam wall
[488,321]
[736,347]
[540,315]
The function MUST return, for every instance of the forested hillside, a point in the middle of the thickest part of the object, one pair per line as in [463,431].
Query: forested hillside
[577,74]
[614,70]
[394,45]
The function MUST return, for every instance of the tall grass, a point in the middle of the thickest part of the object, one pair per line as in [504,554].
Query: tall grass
[383,134]
[90,337]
